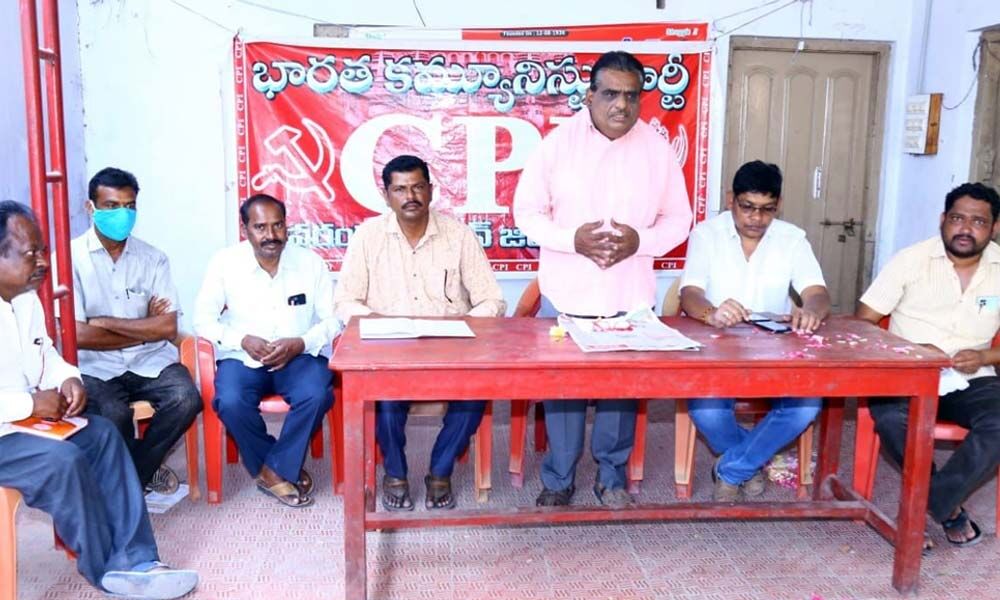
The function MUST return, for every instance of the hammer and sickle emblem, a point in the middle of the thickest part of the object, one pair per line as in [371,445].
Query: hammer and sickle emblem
[292,168]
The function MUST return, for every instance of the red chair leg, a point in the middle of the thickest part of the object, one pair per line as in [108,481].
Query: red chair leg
[484,455]
[518,437]
[866,445]
[316,444]
[541,439]
[337,446]
[191,447]
[213,454]
[232,450]
[637,458]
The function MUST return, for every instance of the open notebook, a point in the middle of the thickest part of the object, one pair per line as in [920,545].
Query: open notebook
[401,328]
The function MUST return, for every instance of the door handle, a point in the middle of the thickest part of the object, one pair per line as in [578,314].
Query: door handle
[848,225]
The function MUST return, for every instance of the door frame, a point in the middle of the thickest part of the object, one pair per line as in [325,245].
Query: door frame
[879,51]
[984,121]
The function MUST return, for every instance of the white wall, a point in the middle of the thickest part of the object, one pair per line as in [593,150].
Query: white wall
[14,149]
[924,180]
[156,81]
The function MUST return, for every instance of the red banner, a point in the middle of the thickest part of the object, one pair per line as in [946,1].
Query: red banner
[316,124]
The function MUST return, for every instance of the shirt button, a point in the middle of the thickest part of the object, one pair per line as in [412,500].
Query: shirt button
[414,297]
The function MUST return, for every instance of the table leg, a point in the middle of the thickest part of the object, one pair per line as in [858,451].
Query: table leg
[355,570]
[370,457]
[831,426]
[913,496]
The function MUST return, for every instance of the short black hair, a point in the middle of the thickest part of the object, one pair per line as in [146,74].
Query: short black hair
[977,191]
[8,210]
[258,199]
[758,177]
[617,60]
[112,177]
[404,164]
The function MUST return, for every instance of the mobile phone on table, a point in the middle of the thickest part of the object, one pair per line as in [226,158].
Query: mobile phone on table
[773,326]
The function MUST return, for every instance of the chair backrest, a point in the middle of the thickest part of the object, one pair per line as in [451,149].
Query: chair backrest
[672,300]
[530,301]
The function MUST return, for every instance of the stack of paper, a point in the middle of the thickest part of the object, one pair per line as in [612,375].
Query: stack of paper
[638,330]
[402,328]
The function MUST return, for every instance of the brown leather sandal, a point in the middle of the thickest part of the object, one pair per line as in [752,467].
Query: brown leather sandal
[286,493]
[396,494]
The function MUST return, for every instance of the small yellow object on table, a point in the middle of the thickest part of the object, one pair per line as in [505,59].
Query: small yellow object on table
[557,332]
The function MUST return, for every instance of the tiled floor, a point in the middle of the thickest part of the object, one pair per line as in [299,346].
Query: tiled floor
[250,547]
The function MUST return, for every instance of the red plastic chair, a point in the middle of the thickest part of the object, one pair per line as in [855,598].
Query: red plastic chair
[867,444]
[527,306]
[9,499]
[205,354]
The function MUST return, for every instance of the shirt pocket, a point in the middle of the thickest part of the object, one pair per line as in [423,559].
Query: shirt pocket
[443,285]
[135,304]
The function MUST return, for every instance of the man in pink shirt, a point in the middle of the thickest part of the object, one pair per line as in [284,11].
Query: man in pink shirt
[603,195]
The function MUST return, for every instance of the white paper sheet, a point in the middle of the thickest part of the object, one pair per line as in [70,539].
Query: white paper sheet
[403,328]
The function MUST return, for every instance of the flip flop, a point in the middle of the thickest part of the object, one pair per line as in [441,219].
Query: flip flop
[959,523]
[305,482]
[285,493]
[400,485]
[438,488]
[159,582]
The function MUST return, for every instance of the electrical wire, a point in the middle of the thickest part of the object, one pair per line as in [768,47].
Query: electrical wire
[723,33]
[204,16]
[975,69]
[419,14]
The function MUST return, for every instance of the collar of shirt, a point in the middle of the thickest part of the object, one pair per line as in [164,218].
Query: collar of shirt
[393,228]
[94,243]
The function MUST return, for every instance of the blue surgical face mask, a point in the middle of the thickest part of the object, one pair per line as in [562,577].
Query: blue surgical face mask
[115,223]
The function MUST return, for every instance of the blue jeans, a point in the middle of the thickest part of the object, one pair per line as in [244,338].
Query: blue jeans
[745,451]
[458,426]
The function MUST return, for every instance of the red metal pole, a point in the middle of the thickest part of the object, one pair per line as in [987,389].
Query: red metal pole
[35,135]
[59,179]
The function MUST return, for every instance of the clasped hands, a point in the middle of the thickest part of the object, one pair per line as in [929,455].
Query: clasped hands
[68,401]
[274,354]
[731,312]
[609,247]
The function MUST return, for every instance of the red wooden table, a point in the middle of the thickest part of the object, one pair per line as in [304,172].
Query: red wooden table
[516,359]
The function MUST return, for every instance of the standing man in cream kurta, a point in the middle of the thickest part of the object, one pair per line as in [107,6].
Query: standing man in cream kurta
[417,262]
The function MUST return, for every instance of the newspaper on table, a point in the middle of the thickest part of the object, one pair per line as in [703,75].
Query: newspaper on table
[640,329]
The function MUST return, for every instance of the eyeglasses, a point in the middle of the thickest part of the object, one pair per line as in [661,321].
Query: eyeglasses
[749,208]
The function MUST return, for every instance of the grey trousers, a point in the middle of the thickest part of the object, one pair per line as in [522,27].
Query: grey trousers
[611,440]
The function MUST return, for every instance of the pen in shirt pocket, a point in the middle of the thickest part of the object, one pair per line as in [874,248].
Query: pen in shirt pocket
[445,290]
[130,292]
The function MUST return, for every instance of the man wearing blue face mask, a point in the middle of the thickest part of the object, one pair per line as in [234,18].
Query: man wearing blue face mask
[126,321]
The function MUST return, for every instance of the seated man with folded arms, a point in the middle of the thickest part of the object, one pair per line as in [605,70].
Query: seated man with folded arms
[126,322]
[268,308]
[742,261]
[944,292]
[87,483]
[417,262]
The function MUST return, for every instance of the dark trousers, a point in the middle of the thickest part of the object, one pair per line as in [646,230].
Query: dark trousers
[977,408]
[611,438]
[89,486]
[173,396]
[460,424]
[305,383]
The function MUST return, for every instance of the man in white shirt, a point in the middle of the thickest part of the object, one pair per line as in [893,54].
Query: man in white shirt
[268,308]
[126,322]
[744,261]
[87,483]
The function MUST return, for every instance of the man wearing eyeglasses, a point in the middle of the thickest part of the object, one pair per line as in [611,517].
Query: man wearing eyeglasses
[944,292]
[746,261]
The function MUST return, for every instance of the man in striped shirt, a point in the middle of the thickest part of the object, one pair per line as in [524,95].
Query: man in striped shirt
[944,293]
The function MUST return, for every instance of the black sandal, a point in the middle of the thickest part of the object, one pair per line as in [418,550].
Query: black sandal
[396,489]
[439,494]
[555,497]
[959,524]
